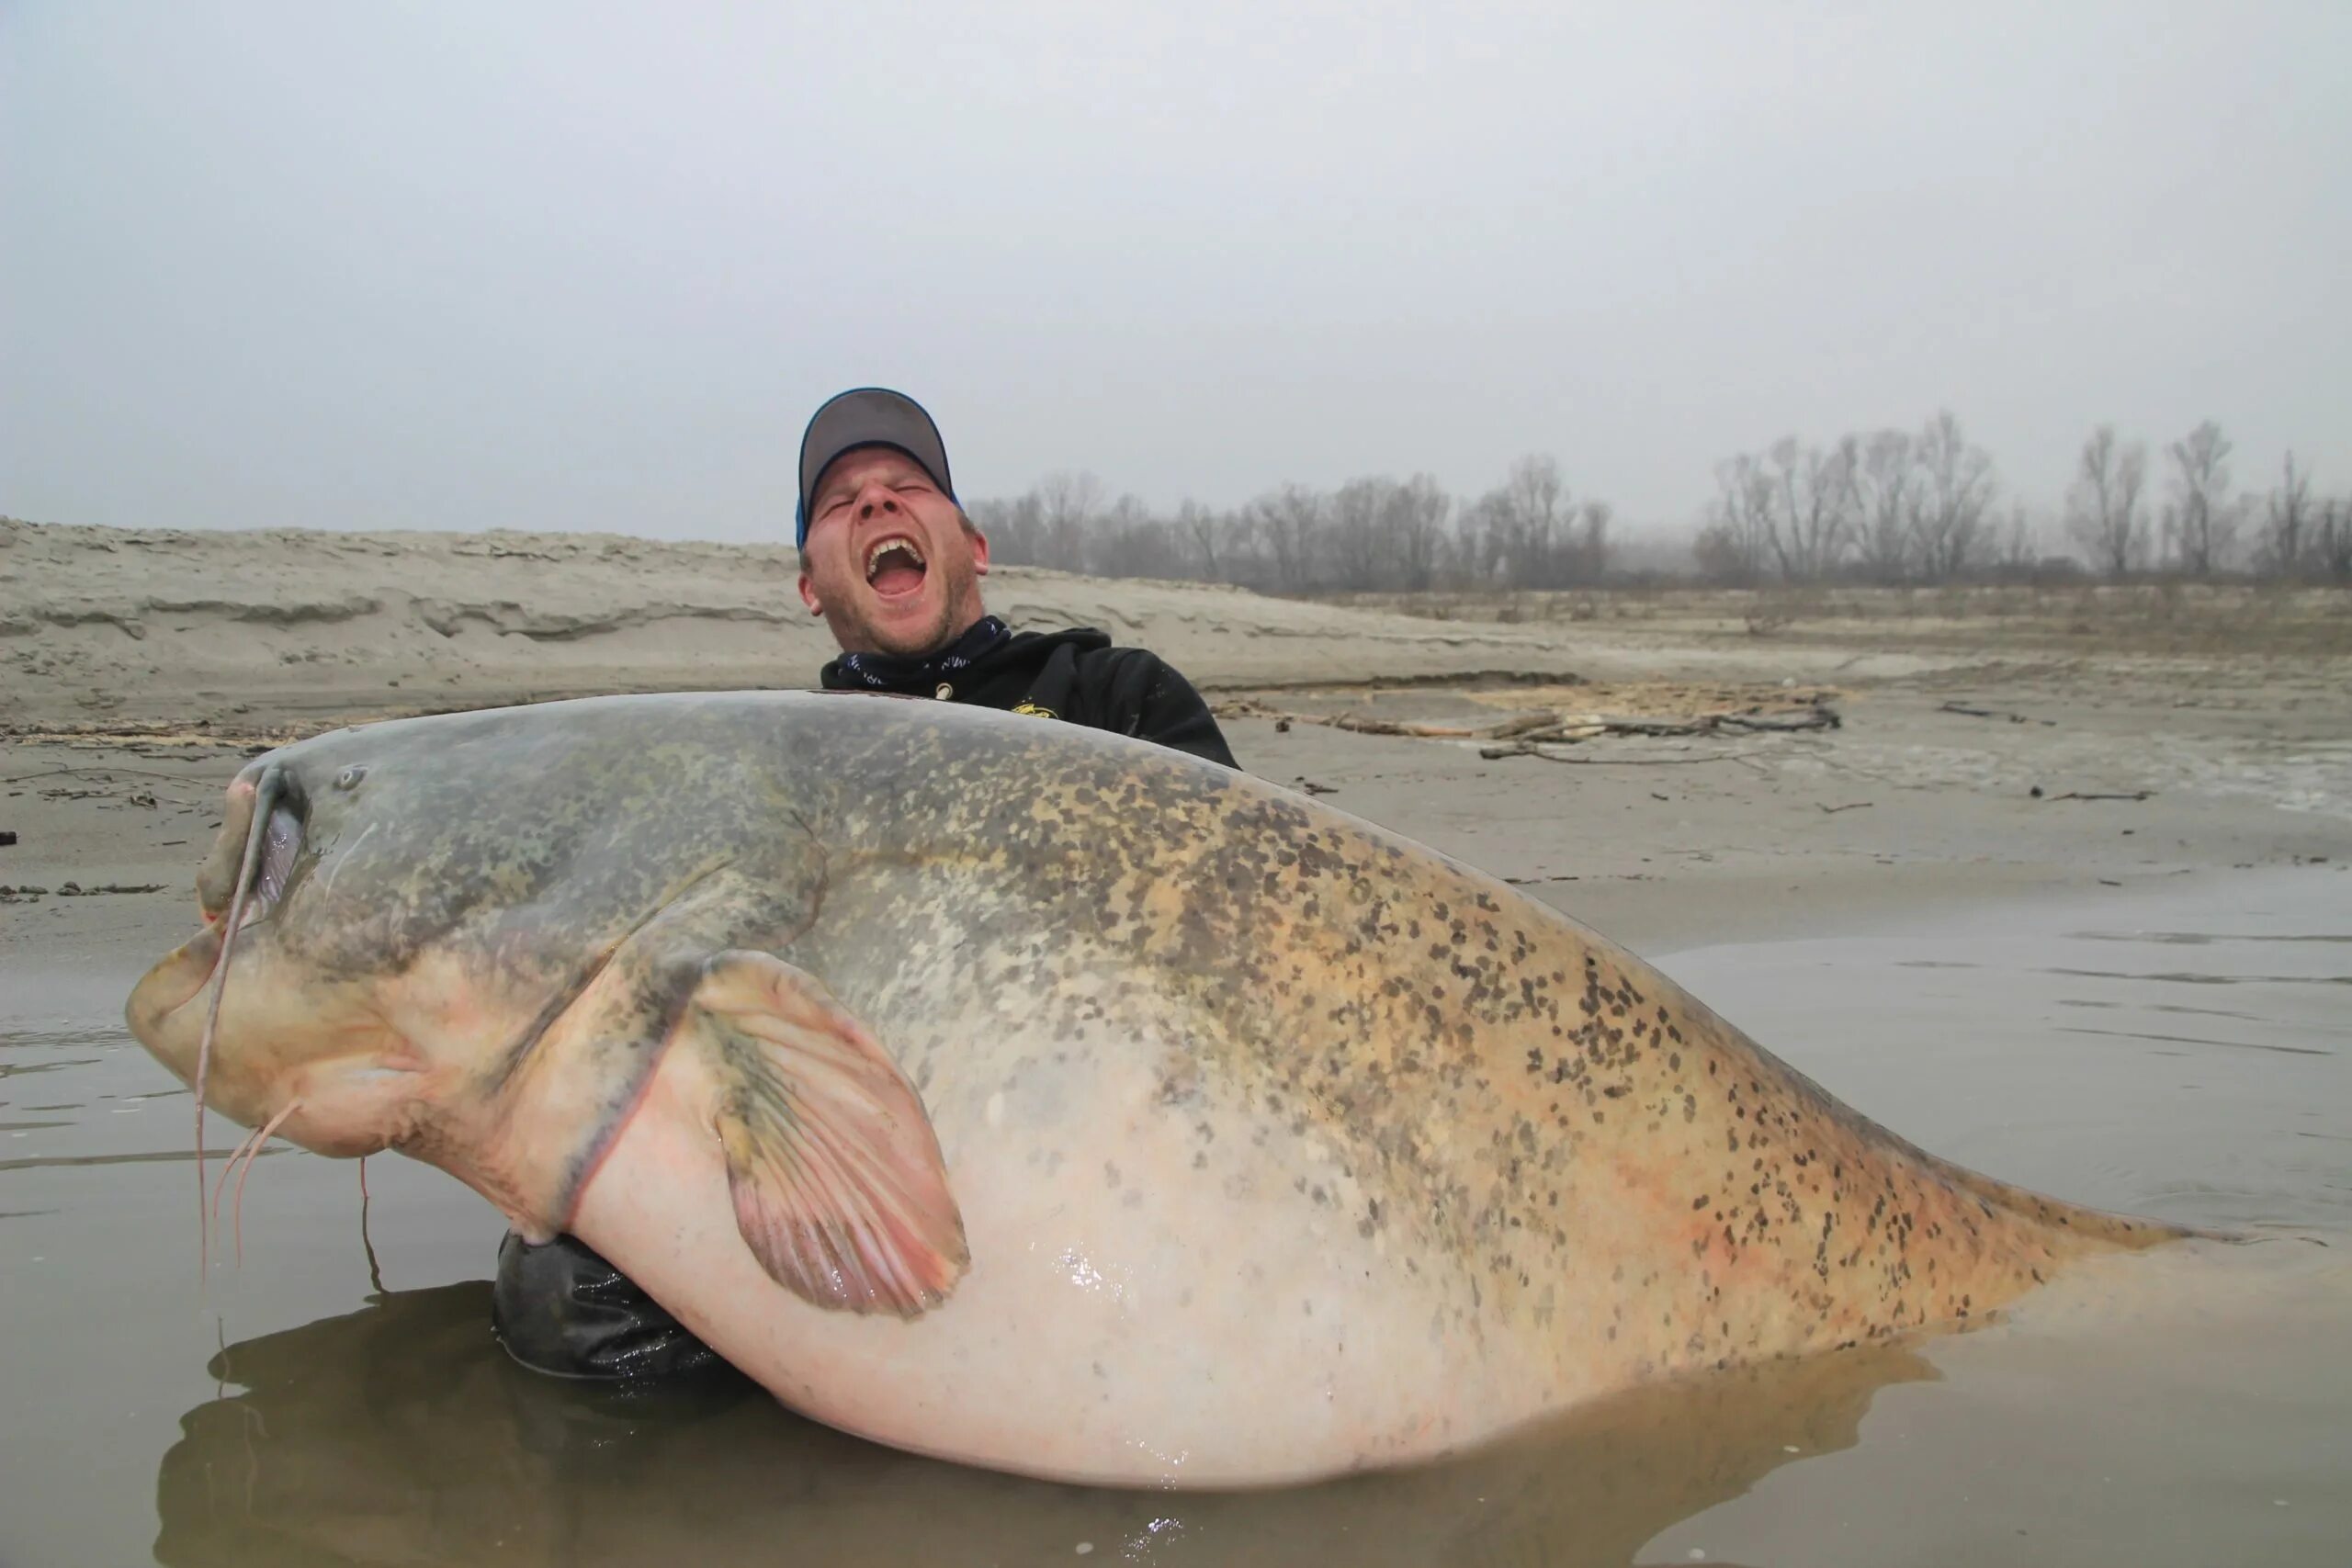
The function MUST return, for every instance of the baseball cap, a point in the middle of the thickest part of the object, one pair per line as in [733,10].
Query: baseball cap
[867,416]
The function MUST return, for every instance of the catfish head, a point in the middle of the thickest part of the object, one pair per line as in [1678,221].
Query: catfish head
[394,915]
[473,939]
[288,1034]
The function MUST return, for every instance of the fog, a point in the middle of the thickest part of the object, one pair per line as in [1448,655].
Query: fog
[541,265]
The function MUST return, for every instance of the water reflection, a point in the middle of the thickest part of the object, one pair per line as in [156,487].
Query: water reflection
[400,1434]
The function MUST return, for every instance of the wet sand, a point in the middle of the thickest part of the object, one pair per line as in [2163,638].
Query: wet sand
[2140,1002]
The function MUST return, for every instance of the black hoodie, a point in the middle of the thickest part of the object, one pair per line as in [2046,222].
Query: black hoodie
[1073,676]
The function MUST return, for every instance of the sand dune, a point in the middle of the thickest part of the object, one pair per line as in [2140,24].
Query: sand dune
[160,626]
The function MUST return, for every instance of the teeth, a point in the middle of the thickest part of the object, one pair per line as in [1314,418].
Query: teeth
[880,547]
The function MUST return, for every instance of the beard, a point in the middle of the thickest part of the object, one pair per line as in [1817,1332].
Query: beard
[863,624]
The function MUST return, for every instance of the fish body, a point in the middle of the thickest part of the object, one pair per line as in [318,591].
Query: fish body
[1043,1099]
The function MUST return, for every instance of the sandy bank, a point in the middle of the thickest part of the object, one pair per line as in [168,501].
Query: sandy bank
[163,625]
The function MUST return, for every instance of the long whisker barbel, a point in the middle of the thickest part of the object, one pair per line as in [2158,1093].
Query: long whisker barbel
[260,1140]
[266,796]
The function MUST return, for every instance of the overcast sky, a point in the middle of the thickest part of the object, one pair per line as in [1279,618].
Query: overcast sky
[573,265]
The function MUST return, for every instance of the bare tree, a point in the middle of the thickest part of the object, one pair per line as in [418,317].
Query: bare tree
[1208,539]
[2332,539]
[2201,521]
[1486,541]
[1534,511]
[1811,518]
[1948,506]
[2286,528]
[1591,549]
[1734,545]
[1290,522]
[1070,504]
[1352,538]
[1717,553]
[2020,545]
[1015,529]
[1530,532]
[2103,510]
[1417,513]
[1538,497]
[1884,480]
[1131,542]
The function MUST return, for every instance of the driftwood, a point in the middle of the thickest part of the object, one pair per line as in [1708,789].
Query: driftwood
[1363,723]
[1523,734]
[1819,715]
[1495,753]
[27,891]
[1993,712]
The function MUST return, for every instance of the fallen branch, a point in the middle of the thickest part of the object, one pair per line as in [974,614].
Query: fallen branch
[1850,805]
[1553,732]
[101,769]
[1993,712]
[1554,729]
[1654,728]
[1819,716]
[2076,795]
[1399,726]
[1496,753]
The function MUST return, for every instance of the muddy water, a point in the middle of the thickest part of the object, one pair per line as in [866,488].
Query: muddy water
[336,1398]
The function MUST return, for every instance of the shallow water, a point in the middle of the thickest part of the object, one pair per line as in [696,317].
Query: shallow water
[336,1397]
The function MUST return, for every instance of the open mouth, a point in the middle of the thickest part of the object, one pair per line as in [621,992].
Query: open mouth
[281,844]
[194,966]
[258,859]
[895,566]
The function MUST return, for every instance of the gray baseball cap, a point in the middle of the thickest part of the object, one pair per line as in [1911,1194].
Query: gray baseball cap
[867,416]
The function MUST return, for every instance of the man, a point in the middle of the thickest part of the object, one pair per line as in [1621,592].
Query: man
[893,564]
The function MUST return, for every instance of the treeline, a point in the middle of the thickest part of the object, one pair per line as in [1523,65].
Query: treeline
[1373,534]
[1890,506]
[1898,506]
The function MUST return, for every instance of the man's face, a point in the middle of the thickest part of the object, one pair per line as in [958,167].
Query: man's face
[889,562]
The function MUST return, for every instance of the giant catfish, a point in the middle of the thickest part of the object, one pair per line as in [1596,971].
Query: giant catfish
[1041,1099]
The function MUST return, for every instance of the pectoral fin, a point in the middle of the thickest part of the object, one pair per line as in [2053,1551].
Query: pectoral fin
[839,1186]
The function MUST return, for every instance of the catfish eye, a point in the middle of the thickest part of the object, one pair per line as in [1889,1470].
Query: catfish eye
[349,778]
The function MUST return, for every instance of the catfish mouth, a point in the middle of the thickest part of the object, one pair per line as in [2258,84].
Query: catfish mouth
[262,837]
[895,566]
[226,870]
[248,873]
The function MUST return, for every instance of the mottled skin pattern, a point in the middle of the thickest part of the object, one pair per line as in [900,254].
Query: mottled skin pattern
[1285,1146]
